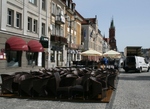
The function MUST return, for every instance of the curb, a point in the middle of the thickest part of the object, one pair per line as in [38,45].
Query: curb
[110,104]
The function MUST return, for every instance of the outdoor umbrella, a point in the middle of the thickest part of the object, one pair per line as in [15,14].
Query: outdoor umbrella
[91,53]
[112,54]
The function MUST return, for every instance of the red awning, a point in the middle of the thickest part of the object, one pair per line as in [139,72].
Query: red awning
[35,46]
[16,43]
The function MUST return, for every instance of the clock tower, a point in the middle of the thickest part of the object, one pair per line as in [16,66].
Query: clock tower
[112,39]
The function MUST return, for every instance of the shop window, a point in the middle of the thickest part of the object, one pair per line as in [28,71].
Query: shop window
[71,57]
[61,56]
[52,56]
[13,58]
[32,58]
[78,56]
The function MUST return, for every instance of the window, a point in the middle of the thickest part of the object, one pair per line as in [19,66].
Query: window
[61,56]
[61,32]
[74,40]
[13,58]
[32,58]
[53,8]
[10,17]
[67,3]
[52,56]
[75,25]
[70,5]
[57,30]
[18,20]
[43,4]
[58,10]
[53,29]
[33,1]
[78,56]
[35,26]
[30,24]
[43,28]
[68,38]
[69,23]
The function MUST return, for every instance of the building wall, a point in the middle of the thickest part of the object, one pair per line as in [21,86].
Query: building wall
[26,10]
[0,13]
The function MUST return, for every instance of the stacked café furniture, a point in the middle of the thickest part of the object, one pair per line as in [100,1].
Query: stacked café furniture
[60,83]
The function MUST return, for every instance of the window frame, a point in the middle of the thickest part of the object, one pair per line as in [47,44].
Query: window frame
[18,20]
[30,24]
[53,29]
[53,6]
[52,55]
[35,25]
[57,30]
[43,29]
[61,31]
[10,17]
[44,4]
[34,2]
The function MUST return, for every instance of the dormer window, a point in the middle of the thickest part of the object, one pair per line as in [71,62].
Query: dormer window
[70,5]
[73,7]
[67,2]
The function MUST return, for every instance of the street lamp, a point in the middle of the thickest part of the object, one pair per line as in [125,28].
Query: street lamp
[70,27]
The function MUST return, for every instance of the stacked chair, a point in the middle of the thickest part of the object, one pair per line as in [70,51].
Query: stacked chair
[59,83]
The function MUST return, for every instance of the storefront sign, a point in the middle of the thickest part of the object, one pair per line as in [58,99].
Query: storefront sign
[44,41]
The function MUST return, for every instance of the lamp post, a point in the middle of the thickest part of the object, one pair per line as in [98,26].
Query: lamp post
[70,27]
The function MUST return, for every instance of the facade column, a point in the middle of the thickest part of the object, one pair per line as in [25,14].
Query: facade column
[24,18]
[3,14]
[48,30]
[39,30]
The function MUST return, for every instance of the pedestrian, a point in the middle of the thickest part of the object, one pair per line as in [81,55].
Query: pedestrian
[104,62]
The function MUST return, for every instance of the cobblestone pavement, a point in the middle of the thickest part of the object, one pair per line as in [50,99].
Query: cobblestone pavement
[133,91]
[13,103]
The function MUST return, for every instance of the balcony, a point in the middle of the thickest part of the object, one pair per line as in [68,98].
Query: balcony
[60,19]
[63,40]
[54,38]
[81,47]
[74,46]
[71,7]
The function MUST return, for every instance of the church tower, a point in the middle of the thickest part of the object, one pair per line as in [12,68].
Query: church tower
[112,40]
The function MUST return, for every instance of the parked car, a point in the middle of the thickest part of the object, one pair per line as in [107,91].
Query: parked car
[136,63]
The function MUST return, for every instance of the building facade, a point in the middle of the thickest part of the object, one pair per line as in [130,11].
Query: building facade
[22,25]
[45,33]
[105,44]
[66,33]
[58,39]
[92,36]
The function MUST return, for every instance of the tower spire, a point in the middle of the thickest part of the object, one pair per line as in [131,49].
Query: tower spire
[112,23]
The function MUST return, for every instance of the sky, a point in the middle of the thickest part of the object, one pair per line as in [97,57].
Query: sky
[131,19]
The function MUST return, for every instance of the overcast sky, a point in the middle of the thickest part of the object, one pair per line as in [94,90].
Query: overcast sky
[131,19]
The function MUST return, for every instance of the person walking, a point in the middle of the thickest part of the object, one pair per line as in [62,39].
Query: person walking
[104,62]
